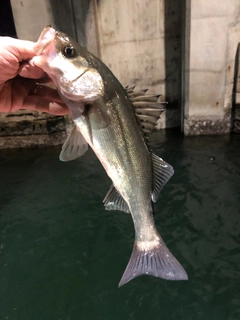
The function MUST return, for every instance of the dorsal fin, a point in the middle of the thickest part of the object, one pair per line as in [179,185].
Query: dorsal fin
[147,109]
[162,172]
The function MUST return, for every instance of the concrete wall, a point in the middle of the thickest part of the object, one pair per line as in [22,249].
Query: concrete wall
[30,17]
[183,49]
[214,36]
[140,41]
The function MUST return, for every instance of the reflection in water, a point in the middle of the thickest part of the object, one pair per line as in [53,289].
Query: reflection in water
[62,254]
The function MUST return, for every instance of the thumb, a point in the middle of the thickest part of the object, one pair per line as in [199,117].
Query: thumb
[29,71]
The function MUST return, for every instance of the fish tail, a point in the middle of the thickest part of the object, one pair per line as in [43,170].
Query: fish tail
[153,258]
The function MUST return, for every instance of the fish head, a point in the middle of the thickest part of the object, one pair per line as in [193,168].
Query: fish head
[70,66]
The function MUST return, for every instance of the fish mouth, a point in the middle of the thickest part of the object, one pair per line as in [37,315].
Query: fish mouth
[46,37]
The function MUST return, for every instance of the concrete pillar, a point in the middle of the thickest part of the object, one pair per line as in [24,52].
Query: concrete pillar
[213,41]
[140,43]
[30,17]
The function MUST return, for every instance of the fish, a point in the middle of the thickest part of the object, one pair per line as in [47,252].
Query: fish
[115,122]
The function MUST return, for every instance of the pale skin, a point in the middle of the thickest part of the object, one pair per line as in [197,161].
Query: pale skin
[19,81]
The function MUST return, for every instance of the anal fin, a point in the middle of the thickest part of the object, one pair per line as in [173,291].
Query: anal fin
[114,201]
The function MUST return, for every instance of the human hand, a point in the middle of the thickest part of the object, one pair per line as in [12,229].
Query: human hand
[19,81]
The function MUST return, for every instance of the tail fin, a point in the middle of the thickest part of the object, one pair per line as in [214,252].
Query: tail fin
[153,258]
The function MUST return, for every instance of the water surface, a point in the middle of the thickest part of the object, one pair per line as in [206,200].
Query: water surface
[62,255]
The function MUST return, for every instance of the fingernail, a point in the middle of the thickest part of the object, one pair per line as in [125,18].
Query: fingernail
[25,72]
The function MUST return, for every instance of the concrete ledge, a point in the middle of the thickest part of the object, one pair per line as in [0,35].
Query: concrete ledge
[200,126]
[30,141]
[37,127]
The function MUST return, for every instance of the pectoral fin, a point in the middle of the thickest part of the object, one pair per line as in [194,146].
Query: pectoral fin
[74,147]
[162,172]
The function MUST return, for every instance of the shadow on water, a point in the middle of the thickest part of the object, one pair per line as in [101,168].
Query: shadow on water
[172,47]
[62,255]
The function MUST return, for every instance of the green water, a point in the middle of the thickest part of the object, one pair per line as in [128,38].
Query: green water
[62,255]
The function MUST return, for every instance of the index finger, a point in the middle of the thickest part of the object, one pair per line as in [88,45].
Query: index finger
[21,49]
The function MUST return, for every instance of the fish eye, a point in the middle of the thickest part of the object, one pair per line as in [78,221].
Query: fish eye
[69,51]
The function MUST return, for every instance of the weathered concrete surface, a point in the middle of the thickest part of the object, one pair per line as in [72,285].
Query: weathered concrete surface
[26,129]
[214,37]
[207,125]
[30,141]
[30,17]
[140,43]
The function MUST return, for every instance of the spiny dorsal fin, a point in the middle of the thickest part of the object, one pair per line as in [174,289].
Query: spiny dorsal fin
[133,93]
[74,147]
[129,89]
[162,172]
[114,201]
[146,107]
